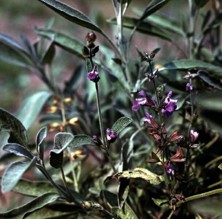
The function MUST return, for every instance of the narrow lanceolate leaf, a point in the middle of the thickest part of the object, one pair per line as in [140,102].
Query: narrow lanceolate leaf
[120,124]
[39,140]
[166,23]
[32,206]
[36,188]
[71,14]
[49,54]
[14,173]
[80,140]
[67,43]
[31,107]
[140,173]
[152,7]
[18,150]
[144,27]
[12,42]
[16,129]
[13,53]
[187,64]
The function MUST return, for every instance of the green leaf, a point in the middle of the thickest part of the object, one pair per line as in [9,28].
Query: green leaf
[140,173]
[166,23]
[152,7]
[14,172]
[71,14]
[4,136]
[18,150]
[12,52]
[126,212]
[5,39]
[49,54]
[75,16]
[67,43]
[33,188]
[62,140]
[10,123]
[212,82]
[56,158]
[121,123]
[188,64]
[35,204]
[143,27]
[49,213]
[41,135]
[80,140]
[208,207]
[220,166]
[211,108]
[110,198]
[31,107]
[205,101]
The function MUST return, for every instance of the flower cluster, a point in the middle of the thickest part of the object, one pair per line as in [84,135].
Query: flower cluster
[168,105]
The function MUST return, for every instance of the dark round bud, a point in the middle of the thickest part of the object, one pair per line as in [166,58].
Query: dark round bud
[91,37]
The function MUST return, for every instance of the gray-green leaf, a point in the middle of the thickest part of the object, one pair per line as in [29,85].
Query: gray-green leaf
[140,173]
[13,174]
[18,150]
[31,107]
[10,123]
[80,140]
[71,14]
[67,43]
[62,140]
[37,203]
[33,188]
[120,124]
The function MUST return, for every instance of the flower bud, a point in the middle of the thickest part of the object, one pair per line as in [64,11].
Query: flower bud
[193,135]
[91,37]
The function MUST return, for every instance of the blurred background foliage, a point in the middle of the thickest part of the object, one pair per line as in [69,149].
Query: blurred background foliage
[21,17]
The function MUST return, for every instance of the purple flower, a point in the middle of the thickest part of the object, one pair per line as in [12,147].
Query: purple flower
[93,75]
[139,101]
[169,105]
[193,135]
[170,169]
[143,100]
[111,135]
[96,140]
[147,118]
[189,87]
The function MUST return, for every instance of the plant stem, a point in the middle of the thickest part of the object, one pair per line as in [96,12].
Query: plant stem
[64,180]
[75,182]
[64,121]
[171,214]
[100,115]
[46,174]
[123,44]
[202,195]
[101,126]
